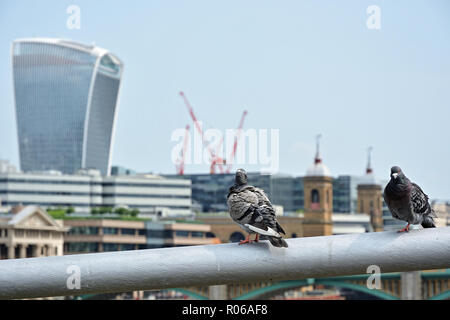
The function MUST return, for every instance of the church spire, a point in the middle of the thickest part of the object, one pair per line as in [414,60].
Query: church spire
[369,165]
[317,159]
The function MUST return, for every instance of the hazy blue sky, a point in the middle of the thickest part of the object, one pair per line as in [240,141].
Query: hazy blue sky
[303,67]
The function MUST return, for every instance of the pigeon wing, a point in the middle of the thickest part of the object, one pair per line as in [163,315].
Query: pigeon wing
[390,206]
[267,211]
[240,202]
[419,201]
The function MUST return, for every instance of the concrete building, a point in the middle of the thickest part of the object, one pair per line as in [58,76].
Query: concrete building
[87,190]
[101,235]
[122,171]
[164,197]
[66,97]
[30,232]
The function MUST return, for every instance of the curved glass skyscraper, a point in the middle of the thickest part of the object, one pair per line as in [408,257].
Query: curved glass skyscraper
[66,97]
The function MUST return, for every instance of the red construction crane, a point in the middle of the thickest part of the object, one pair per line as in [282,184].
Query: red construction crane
[236,139]
[180,162]
[215,160]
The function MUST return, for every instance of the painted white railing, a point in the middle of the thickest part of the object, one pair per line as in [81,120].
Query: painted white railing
[313,257]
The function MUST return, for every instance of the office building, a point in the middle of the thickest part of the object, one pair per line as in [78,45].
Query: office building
[66,97]
[209,191]
[102,235]
[88,189]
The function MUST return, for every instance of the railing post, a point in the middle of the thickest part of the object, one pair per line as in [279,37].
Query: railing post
[411,285]
[219,292]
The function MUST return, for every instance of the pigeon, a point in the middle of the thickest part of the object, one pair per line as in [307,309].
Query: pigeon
[407,201]
[251,209]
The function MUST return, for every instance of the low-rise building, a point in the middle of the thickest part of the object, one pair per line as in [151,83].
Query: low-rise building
[224,228]
[101,235]
[164,234]
[30,232]
[344,223]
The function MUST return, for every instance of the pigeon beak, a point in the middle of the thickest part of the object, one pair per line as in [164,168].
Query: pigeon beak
[395,175]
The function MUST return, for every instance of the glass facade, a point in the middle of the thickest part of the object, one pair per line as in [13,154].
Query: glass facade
[210,191]
[109,230]
[66,96]
[83,231]
[81,247]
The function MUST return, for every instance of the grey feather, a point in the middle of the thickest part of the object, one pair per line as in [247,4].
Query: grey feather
[250,205]
[407,201]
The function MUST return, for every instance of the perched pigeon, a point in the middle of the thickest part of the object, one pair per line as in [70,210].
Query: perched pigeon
[407,201]
[251,209]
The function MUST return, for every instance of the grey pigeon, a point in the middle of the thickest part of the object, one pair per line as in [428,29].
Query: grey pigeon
[251,209]
[407,201]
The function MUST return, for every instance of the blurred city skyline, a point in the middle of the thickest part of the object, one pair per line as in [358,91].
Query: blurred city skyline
[303,68]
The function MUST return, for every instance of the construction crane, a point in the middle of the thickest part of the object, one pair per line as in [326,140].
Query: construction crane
[215,160]
[180,162]
[236,139]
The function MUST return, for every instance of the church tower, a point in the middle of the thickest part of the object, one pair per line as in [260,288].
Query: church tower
[370,199]
[318,199]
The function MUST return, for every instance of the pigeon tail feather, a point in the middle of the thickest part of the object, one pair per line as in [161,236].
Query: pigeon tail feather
[428,222]
[278,242]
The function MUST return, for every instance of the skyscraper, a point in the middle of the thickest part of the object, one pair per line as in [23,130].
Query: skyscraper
[66,97]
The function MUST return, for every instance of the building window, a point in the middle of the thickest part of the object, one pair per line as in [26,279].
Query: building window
[81,247]
[315,196]
[19,233]
[315,199]
[197,234]
[236,237]
[127,246]
[110,247]
[108,230]
[182,233]
[130,232]
[210,235]
[159,234]
[83,231]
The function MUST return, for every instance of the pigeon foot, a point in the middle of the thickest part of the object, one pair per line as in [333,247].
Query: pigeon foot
[257,237]
[404,229]
[247,240]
